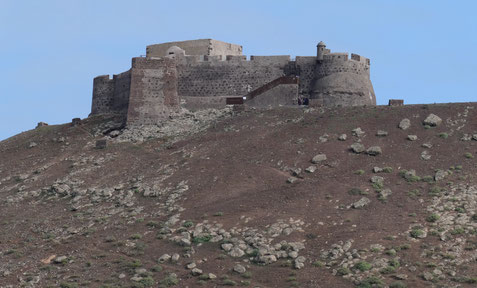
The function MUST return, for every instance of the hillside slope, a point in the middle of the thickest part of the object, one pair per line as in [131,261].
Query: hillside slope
[232,203]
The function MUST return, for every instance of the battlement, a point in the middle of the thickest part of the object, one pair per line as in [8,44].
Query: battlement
[207,71]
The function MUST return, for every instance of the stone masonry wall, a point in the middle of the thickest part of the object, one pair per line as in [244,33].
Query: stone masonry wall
[232,77]
[305,67]
[153,93]
[196,47]
[122,86]
[103,95]
[331,64]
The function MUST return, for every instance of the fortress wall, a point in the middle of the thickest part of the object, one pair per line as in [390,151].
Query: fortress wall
[196,47]
[122,87]
[103,94]
[306,72]
[153,95]
[335,65]
[235,77]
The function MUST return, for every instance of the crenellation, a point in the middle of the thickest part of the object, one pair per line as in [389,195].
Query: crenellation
[205,72]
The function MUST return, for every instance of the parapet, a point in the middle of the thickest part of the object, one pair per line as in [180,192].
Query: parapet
[208,47]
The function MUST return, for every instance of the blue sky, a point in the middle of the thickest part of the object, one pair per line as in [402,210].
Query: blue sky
[421,51]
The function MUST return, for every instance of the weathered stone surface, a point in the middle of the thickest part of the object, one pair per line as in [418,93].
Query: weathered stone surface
[440,175]
[358,132]
[381,133]
[405,124]
[412,137]
[432,120]
[377,179]
[240,269]
[318,158]
[311,169]
[342,137]
[374,151]
[385,193]
[357,148]
[361,203]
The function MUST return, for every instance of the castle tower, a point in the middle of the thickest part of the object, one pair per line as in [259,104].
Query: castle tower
[320,51]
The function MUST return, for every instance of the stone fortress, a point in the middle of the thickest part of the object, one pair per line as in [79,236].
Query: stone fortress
[207,73]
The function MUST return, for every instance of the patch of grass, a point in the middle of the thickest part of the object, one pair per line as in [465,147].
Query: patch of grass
[388,270]
[363,266]
[458,231]
[136,236]
[216,214]
[435,190]
[427,179]
[246,275]
[357,191]
[378,187]
[229,282]
[318,263]
[443,135]
[202,239]
[343,271]
[156,268]
[68,285]
[170,280]
[397,284]
[188,224]
[416,233]
[152,224]
[359,172]
[468,155]
[414,193]
[371,282]
[245,283]
[147,281]
[387,170]
[459,209]
[433,217]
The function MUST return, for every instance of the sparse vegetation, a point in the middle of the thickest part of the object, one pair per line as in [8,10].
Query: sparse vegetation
[469,155]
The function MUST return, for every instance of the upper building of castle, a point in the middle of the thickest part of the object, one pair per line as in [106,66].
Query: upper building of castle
[207,73]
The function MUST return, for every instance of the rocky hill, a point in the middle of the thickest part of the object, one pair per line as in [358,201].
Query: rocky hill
[338,197]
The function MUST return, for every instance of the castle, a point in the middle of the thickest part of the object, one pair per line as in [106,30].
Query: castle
[207,73]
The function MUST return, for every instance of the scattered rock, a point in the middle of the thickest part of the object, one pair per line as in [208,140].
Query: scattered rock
[432,120]
[300,262]
[374,151]
[440,175]
[196,272]
[425,155]
[292,180]
[405,124]
[377,169]
[358,132]
[295,171]
[236,252]
[377,179]
[381,133]
[361,203]
[175,257]
[357,148]
[164,258]
[212,276]
[324,138]
[412,137]
[227,247]
[311,169]
[342,137]
[191,265]
[60,259]
[318,158]
[32,144]
[383,195]
[239,269]
[427,276]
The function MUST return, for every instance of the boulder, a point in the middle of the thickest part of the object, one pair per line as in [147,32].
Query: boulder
[432,120]
[357,132]
[374,151]
[361,203]
[357,148]
[405,124]
[318,158]
[342,137]
[412,137]
[239,269]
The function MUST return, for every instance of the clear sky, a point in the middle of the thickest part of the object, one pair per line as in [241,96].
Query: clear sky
[421,51]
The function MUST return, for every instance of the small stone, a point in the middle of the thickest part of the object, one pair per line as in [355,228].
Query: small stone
[164,258]
[405,124]
[140,271]
[227,247]
[122,276]
[324,138]
[427,276]
[295,171]
[292,180]
[239,269]
[196,272]
[361,203]
[357,148]
[60,259]
[212,276]
[191,265]
[401,276]
[412,137]
[318,158]
[374,151]
[185,242]
[377,170]
[300,262]
[358,132]
[310,169]
[377,179]
[385,193]
[293,254]
[381,133]
[136,278]
[432,120]
[32,144]
[175,257]
[114,133]
[236,252]
[342,137]
[427,145]
[425,155]
[440,175]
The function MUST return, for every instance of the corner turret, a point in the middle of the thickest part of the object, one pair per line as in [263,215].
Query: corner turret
[320,51]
